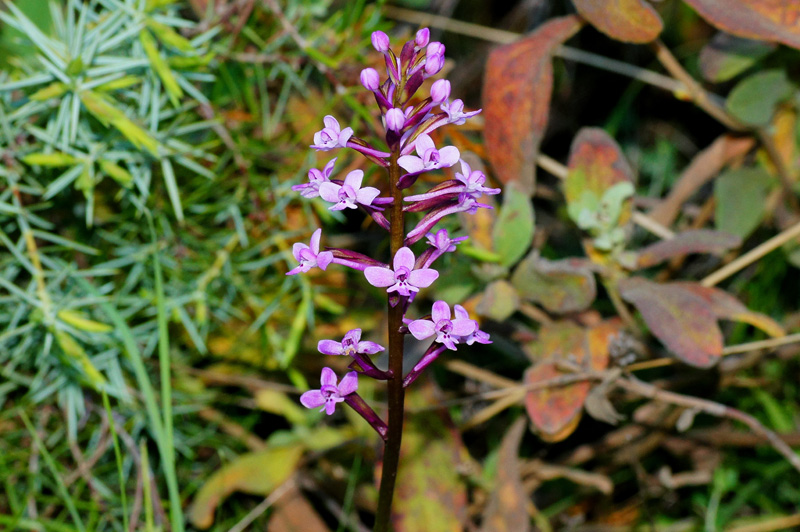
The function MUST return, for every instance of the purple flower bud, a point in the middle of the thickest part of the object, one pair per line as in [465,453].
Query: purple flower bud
[370,79]
[395,119]
[380,41]
[422,37]
[440,91]
[434,48]
[433,64]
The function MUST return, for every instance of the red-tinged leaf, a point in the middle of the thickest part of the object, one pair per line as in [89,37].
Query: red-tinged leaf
[695,241]
[727,307]
[560,286]
[726,56]
[507,509]
[599,338]
[764,20]
[430,495]
[293,513]
[516,98]
[680,319]
[556,410]
[624,20]
[595,164]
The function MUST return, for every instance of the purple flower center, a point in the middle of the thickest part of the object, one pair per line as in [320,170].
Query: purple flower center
[346,192]
[307,255]
[329,390]
[349,346]
[431,157]
[401,274]
[444,327]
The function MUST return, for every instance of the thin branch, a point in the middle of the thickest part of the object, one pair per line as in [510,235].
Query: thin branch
[753,255]
[644,389]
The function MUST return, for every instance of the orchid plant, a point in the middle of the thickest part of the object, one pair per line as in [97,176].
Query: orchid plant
[410,152]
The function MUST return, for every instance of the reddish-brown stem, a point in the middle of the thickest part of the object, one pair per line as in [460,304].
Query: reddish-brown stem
[396,392]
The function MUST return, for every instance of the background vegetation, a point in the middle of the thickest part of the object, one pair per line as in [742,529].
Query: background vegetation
[152,349]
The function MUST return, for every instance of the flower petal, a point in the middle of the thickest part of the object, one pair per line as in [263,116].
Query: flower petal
[403,258]
[328,170]
[354,335]
[329,191]
[330,347]
[421,329]
[460,312]
[354,179]
[365,195]
[448,156]
[297,247]
[349,384]
[423,144]
[411,163]
[331,122]
[328,377]
[463,327]
[370,348]
[312,399]
[379,276]
[315,236]
[344,136]
[423,278]
[324,259]
[440,311]
[330,407]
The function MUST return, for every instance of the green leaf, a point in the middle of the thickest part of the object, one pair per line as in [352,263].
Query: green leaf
[739,200]
[54,90]
[726,56]
[117,173]
[513,231]
[81,322]
[560,286]
[754,99]
[169,36]
[108,115]
[55,159]
[161,67]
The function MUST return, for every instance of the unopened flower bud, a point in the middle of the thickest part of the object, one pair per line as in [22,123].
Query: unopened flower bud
[395,119]
[422,38]
[380,41]
[433,64]
[440,91]
[434,48]
[370,79]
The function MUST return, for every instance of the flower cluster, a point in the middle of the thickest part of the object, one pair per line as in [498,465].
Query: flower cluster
[410,151]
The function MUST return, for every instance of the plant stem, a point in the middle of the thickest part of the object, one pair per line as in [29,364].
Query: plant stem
[396,392]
